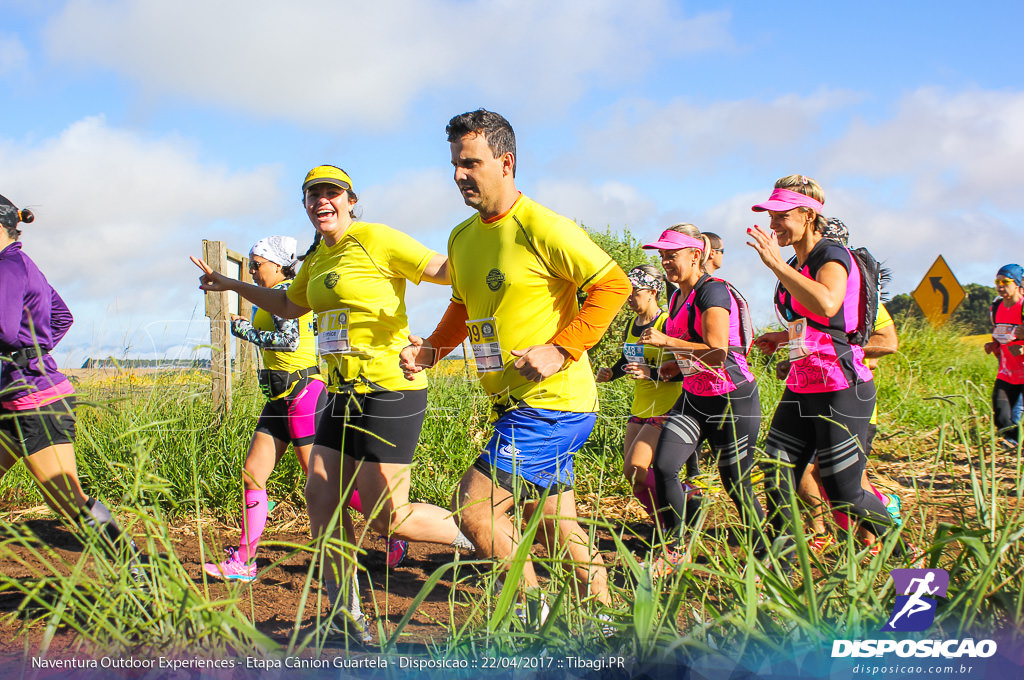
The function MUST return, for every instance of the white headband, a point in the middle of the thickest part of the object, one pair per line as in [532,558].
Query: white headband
[278,249]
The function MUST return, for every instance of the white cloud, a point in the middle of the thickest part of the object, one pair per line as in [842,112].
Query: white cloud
[336,64]
[958,148]
[423,203]
[596,205]
[118,214]
[944,166]
[686,137]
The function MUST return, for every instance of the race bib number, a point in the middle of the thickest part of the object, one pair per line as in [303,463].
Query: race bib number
[685,362]
[798,340]
[633,353]
[483,337]
[1003,332]
[332,330]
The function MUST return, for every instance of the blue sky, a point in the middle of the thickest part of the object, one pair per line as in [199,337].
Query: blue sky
[136,129]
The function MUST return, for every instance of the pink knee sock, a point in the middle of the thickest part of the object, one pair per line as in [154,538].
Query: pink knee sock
[255,522]
[354,502]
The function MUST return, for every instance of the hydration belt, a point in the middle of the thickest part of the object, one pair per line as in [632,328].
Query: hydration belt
[273,384]
[21,357]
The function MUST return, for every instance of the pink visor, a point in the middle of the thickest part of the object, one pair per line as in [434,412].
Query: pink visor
[674,240]
[782,200]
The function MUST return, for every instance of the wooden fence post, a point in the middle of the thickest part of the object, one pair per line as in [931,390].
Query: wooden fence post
[246,351]
[219,309]
[216,255]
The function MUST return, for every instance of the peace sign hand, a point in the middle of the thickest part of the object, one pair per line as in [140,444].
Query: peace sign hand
[210,280]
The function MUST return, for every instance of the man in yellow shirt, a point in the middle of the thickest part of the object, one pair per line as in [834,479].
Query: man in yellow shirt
[516,267]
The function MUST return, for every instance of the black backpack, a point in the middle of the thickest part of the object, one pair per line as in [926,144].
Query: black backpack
[873,278]
[747,331]
[994,306]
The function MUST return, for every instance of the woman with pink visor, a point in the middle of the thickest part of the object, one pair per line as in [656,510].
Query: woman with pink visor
[719,403]
[652,398]
[826,407]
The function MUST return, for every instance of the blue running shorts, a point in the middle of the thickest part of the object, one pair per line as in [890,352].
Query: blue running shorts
[538,445]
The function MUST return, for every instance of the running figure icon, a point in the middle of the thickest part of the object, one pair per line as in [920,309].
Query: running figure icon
[915,605]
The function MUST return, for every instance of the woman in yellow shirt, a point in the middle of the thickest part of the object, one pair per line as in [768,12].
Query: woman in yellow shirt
[354,278]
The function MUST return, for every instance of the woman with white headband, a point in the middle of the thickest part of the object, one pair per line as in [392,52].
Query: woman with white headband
[829,397]
[290,380]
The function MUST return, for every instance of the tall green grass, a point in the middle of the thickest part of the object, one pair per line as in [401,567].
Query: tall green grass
[160,454]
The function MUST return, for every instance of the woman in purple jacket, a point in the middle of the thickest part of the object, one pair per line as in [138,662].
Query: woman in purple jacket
[37,421]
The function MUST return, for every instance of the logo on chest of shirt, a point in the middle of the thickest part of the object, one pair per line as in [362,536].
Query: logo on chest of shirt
[331,280]
[495,279]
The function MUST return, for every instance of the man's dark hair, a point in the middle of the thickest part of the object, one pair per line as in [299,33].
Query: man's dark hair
[497,132]
[716,240]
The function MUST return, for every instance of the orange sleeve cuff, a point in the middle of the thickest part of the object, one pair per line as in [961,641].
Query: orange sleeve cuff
[604,299]
[450,331]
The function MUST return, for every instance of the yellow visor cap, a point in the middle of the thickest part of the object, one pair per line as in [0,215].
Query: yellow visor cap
[327,174]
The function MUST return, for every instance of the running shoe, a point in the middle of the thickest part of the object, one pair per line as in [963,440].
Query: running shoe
[703,484]
[819,543]
[352,630]
[874,549]
[605,625]
[534,613]
[667,564]
[914,556]
[893,505]
[756,476]
[397,549]
[232,569]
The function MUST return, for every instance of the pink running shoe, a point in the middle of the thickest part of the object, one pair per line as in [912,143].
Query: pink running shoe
[397,549]
[232,569]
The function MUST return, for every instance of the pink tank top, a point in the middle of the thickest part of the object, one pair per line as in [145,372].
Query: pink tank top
[833,364]
[687,324]
[1011,368]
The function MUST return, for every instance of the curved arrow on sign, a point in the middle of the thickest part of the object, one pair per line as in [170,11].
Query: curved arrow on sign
[941,289]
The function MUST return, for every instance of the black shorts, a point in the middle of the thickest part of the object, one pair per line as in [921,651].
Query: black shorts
[521,489]
[294,418]
[35,429]
[378,427]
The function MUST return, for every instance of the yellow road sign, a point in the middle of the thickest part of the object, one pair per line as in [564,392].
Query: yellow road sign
[939,293]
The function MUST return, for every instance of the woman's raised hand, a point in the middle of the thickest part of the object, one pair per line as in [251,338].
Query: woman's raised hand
[767,246]
[210,280]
